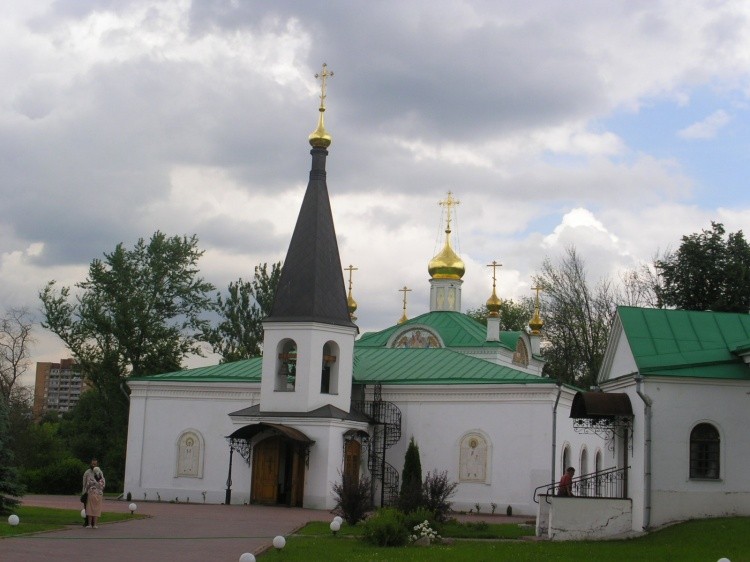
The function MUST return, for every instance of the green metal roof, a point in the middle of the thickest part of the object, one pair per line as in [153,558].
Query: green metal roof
[377,365]
[247,370]
[687,343]
[454,328]
[432,366]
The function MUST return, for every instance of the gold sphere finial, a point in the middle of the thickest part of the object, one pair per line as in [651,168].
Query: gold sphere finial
[351,304]
[494,303]
[447,264]
[320,138]
[536,322]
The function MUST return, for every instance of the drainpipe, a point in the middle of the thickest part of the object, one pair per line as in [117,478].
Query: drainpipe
[647,452]
[554,430]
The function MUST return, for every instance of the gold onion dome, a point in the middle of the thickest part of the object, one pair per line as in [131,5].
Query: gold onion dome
[536,323]
[447,264]
[493,304]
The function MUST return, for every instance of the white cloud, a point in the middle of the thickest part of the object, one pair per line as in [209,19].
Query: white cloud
[706,128]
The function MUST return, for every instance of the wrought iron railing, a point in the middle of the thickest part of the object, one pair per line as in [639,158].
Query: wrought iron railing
[608,483]
[387,432]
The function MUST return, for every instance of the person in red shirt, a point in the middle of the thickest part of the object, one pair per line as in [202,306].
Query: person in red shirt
[565,488]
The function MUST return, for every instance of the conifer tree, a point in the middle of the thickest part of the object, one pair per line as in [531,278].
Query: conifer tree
[10,487]
[411,497]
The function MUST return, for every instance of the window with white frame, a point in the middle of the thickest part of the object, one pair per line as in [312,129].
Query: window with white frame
[705,447]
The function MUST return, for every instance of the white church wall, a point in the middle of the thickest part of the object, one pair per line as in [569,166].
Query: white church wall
[326,459]
[678,407]
[169,410]
[516,421]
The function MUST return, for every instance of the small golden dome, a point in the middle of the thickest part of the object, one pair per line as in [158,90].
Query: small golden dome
[320,138]
[493,304]
[351,304]
[536,323]
[447,264]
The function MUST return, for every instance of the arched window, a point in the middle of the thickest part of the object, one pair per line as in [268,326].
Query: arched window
[190,454]
[704,451]
[584,469]
[286,366]
[598,469]
[565,459]
[473,458]
[329,378]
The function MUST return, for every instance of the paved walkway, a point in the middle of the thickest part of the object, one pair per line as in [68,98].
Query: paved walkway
[184,532]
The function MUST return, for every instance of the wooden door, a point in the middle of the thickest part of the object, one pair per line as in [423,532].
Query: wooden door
[266,471]
[351,460]
[298,477]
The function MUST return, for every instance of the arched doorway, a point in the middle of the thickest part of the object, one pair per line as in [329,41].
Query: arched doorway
[278,472]
[352,456]
[277,461]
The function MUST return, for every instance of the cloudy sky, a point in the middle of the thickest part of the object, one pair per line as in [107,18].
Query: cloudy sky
[616,127]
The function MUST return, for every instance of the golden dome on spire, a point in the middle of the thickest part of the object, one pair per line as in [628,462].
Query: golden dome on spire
[494,303]
[320,138]
[351,304]
[447,264]
[536,322]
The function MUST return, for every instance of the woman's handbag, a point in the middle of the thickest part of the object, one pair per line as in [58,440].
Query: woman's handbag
[84,497]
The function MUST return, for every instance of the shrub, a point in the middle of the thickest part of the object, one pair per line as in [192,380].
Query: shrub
[437,490]
[352,498]
[418,516]
[386,528]
[60,478]
[410,497]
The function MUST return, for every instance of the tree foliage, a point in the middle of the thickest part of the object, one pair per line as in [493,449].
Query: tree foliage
[514,316]
[707,272]
[410,497]
[138,312]
[239,334]
[577,319]
[15,347]
[10,486]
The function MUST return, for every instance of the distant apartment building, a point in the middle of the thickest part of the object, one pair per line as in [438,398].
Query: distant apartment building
[58,387]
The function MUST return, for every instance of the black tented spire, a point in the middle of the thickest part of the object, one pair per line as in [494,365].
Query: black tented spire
[311,287]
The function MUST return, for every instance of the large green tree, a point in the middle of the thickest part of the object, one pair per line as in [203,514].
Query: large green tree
[577,319]
[139,312]
[239,334]
[709,271]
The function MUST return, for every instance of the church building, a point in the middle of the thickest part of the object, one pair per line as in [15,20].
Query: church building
[324,401]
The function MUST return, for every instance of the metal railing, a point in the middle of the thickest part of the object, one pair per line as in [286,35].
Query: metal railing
[608,483]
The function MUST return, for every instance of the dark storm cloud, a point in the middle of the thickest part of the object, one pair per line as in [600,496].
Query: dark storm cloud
[407,71]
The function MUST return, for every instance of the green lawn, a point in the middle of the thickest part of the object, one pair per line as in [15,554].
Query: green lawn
[36,519]
[704,541]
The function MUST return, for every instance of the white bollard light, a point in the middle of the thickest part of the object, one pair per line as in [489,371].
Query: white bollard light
[13,520]
[724,560]
[279,542]
[335,526]
[132,507]
[247,557]
[339,519]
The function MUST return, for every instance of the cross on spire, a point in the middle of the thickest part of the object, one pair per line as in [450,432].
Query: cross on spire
[449,203]
[494,265]
[323,76]
[350,269]
[403,316]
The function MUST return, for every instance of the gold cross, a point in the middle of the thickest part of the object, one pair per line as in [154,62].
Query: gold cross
[350,269]
[494,265]
[537,289]
[324,74]
[449,203]
[404,290]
